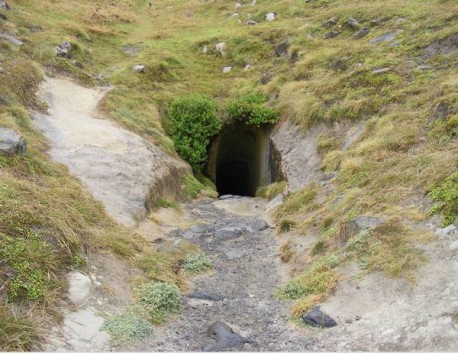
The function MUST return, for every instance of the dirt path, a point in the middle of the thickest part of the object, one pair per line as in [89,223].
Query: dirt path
[239,291]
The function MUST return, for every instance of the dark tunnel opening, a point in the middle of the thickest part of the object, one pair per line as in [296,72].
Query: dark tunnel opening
[240,160]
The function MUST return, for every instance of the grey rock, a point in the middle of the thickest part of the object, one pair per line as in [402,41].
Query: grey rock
[330,22]
[3,101]
[387,37]
[77,64]
[424,67]
[4,5]
[221,48]
[251,23]
[224,234]
[341,63]
[258,225]
[317,318]
[281,49]
[227,69]
[205,49]
[380,70]
[362,33]
[140,69]
[266,78]
[374,22]
[226,197]
[199,228]
[203,295]
[238,5]
[271,16]
[64,50]
[224,338]
[11,142]
[454,246]
[79,287]
[11,39]
[446,46]
[357,225]
[327,177]
[331,34]
[446,233]
[353,24]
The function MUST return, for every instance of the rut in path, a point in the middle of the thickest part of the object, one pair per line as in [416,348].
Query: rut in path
[245,277]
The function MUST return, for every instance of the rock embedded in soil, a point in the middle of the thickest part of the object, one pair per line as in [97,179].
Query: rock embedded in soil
[12,143]
[204,295]
[79,287]
[317,318]
[224,338]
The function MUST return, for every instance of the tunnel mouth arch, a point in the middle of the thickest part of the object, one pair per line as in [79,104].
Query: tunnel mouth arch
[240,160]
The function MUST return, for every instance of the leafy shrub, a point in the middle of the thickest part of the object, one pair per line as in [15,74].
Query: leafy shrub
[447,195]
[193,121]
[159,301]
[127,328]
[251,110]
[197,263]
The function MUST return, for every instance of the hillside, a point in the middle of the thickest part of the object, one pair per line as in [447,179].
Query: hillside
[353,106]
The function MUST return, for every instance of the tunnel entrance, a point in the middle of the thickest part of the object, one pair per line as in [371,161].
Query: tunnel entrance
[240,161]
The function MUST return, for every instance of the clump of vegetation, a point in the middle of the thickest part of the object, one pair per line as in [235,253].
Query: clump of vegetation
[316,281]
[165,203]
[196,263]
[158,301]
[386,248]
[193,121]
[251,110]
[327,143]
[127,328]
[270,191]
[446,193]
[16,332]
[286,225]
[302,201]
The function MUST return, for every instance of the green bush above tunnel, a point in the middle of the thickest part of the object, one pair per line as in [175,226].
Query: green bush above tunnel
[193,121]
[251,110]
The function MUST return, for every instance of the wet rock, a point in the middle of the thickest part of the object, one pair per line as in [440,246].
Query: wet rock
[224,338]
[271,16]
[362,33]
[11,39]
[79,287]
[227,69]
[64,50]
[251,23]
[330,22]
[4,5]
[353,24]
[317,318]
[12,143]
[387,37]
[331,34]
[203,295]
[221,48]
[139,69]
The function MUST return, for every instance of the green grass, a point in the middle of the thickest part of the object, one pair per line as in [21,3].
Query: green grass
[270,191]
[196,263]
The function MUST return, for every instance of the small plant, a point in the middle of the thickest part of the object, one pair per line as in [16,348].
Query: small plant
[286,225]
[251,110]
[192,186]
[161,202]
[193,121]
[196,263]
[127,328]
[270,191]
[319,247]
[159,301]
[446,194]
[16,332]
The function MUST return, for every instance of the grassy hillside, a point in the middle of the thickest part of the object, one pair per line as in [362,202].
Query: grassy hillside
[403,90]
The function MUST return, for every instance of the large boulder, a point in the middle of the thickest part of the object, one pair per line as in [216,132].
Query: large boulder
[11,142]
[79,287]
[224,338]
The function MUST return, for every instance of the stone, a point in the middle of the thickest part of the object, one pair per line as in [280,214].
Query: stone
[227,69]
[221,48]
[238,5]
[251,23]
[4,5]
[380,70]
[199,228]
[84,325]
[11,39]
[79,287]
[226,197]
[77,64]
[3,101]
[362,33]
[247,67]
[317,318]
[454,246]
[356,225]
[405,68]
[203,295]
[11,142]
[331,34]
[387,37]
[353,24]
[253,3]
[205,49]
[99,77]
[258,225]
[446,233]
[281,49]
[271,16]
[140,69]
[64,50]
[266,78]
[224,338]
[330,22]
